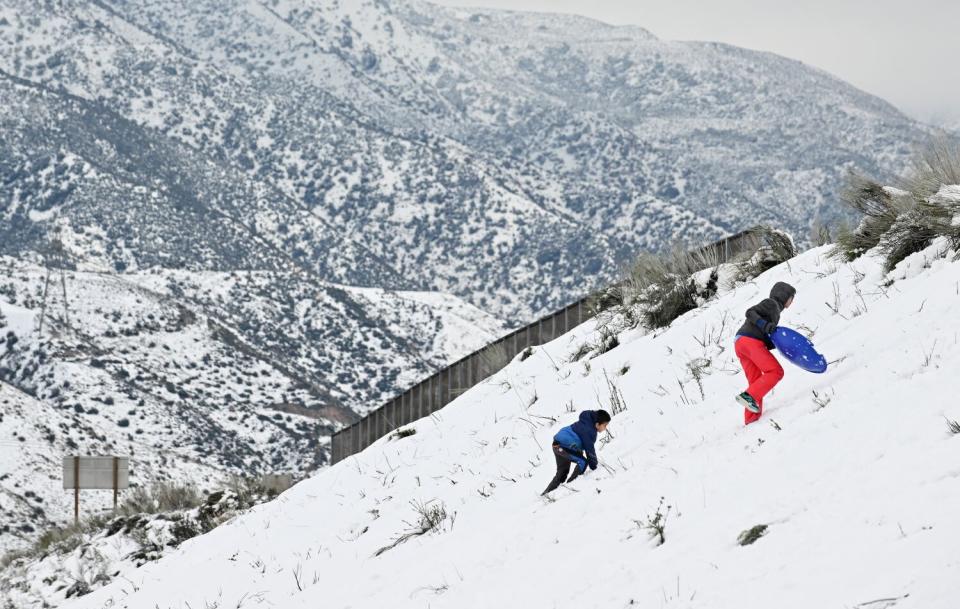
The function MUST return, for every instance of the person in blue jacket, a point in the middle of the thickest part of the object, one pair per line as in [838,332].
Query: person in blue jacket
[574,445]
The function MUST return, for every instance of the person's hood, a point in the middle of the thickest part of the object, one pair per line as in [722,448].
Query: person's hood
[589,418]
[782,292]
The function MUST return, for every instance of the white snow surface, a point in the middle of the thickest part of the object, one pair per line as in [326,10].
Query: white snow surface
[861,495]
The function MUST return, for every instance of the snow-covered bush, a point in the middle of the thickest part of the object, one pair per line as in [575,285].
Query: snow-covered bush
[160,497]
[752,534]
[935,166]
[659,288]
[150,522]
[772,247]
[906,220]
[403,433]
[655,290]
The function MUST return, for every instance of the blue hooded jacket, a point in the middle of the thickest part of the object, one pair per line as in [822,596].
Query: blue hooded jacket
[580,438]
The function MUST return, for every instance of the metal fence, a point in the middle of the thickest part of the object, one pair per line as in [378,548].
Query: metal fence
[438,390]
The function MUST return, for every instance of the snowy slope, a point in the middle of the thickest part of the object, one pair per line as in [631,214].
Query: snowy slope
[857,481]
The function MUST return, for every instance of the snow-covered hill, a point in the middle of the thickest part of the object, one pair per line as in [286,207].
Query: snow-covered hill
[398,144]
[198,375]
[853,473]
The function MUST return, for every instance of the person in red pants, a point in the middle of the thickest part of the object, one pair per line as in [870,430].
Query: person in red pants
[753,346]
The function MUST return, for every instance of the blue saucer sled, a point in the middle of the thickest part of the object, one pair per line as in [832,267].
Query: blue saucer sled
[798,350]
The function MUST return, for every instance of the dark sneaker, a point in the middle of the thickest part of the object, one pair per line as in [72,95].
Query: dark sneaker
[746,400]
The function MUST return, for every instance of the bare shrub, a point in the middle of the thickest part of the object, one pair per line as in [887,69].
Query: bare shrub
[430,517]
[580,352]
[160,497]
[617,403]
[699,367]
[656,523]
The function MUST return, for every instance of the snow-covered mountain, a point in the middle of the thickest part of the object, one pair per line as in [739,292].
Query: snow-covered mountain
[848,482]
[512,159]
[198,375]
[266,206]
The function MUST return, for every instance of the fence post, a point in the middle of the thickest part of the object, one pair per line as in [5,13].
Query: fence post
[440,385]
[371,420]
[447,386]
[364,431]
[471,374]
[430,401]
[358,445]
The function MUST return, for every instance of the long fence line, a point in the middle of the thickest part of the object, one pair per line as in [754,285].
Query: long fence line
[441,388]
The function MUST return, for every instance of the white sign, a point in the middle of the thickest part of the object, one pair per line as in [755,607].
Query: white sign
[97,472]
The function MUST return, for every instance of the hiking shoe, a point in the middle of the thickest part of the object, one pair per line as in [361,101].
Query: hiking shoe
[747,401]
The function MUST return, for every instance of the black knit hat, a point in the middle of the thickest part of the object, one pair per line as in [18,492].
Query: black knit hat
[603,416]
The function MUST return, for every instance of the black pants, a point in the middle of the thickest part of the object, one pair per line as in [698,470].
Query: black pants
[563,468]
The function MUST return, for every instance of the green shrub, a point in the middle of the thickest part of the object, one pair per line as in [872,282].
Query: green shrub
[878,212]
[913,231]
[667,300]
[901,222]
[403,433]
[659,288]
[769,248]
[752,534]
[934,166]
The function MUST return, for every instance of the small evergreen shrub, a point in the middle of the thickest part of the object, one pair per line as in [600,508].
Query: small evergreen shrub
[752,534]
[771,247]
[901,222]
[403,433]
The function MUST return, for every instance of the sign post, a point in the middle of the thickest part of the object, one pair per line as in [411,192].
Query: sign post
[76,490]
[106,473]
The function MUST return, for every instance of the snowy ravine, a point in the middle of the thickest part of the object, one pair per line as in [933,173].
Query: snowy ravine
[198,375]
[857,481]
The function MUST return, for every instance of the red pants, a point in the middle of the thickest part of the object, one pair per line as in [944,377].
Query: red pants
[762,369]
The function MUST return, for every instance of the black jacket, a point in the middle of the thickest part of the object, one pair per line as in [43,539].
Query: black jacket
[767,311]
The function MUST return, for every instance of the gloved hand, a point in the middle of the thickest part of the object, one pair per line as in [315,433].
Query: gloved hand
[769,328]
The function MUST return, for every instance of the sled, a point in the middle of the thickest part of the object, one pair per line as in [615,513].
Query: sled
[798,350]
